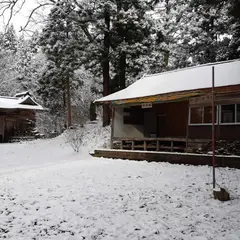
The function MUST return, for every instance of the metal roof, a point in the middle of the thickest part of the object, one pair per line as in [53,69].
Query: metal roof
[188,79]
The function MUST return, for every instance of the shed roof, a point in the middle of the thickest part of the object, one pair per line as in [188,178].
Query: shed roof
[24,102]
[193,78]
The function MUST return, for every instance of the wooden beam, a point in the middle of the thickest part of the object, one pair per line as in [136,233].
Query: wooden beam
[175,96]
[167,139]
[3,135]
[112,127]
[187,130]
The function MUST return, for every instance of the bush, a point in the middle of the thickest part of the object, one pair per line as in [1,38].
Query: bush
[74,137]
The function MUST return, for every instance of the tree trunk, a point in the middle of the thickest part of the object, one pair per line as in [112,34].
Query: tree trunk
[122,71]
[69,105]
[122,33]
[166,53]
[92,110]
[105,67]
[68,90]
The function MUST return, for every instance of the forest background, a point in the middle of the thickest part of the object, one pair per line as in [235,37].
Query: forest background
[68,53]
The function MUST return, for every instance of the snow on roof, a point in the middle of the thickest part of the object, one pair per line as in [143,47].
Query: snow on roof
[19,103]
[22,94]
[193,78]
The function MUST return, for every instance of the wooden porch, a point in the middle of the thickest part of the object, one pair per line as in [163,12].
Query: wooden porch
[156,144]
[152,144]
[176,158]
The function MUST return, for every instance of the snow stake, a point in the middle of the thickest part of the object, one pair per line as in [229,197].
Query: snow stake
[213,128]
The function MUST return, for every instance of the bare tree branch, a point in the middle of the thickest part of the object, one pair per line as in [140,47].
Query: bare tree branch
[10,8]
[11,11]
[20,8]
[32,12]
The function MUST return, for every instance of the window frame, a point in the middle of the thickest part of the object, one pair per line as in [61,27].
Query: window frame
[218,116]
[235,110]
[202,124]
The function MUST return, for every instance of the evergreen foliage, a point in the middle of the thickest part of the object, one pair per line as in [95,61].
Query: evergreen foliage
[234,23]
[99,47]
[59,42]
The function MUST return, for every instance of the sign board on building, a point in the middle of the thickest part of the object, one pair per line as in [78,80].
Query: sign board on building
[146,105]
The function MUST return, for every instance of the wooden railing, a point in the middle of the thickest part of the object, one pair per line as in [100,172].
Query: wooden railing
[153,144]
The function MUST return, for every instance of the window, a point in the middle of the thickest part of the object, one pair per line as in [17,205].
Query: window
[230,113]
[207,114]
[196,115]
[202,115]
[134,116]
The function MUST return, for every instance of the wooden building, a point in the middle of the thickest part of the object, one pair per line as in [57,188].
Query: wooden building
[172,110]
[17,115]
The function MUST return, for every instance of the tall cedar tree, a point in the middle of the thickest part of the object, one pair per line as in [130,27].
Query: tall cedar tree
[131,40]
[59,40]
[234,14]
[172,36]
[119,35]
[208,27]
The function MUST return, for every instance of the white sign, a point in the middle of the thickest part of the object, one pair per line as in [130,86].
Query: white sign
[146,105]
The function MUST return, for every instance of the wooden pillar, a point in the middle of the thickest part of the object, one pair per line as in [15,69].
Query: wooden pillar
[112,127]
[157,145]
[3,126]
[171,146]
[145,145]
[132,145]
[121,147]
[218,132]
[187,129]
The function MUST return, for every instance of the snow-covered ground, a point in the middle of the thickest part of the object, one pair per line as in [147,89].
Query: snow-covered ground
[49,192]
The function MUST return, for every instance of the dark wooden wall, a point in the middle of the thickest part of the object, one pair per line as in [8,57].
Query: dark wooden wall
[171,120]
[231,132]
[176,119]
[16,122]
[223,132]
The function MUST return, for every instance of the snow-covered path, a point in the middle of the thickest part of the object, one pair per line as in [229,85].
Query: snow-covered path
[49,192]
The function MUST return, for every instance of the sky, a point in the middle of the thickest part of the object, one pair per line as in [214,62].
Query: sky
[20,18]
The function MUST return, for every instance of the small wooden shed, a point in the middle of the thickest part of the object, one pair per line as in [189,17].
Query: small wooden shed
[172,110]
[17,115]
